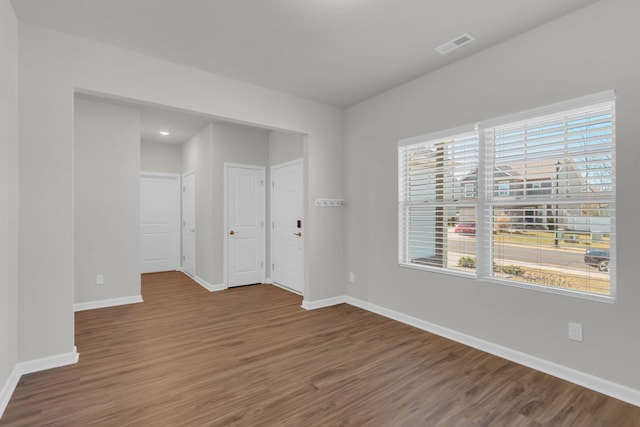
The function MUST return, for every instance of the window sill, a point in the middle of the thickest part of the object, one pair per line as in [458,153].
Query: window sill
[467,275]
[528,286]
[551,290]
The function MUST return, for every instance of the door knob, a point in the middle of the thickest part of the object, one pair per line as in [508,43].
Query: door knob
[298,234]
[232,232]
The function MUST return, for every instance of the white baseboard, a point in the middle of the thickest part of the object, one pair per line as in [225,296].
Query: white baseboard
[30,367]
[91,305]
[268,281]
[601,385]
[208,286]
[50,362]
[321,303]
[293,291]
[8,388]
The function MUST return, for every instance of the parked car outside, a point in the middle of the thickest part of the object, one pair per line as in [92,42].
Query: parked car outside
[518,228]
[598,258]
[465,228]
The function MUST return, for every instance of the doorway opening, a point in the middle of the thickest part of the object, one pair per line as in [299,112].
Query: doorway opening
[193,154]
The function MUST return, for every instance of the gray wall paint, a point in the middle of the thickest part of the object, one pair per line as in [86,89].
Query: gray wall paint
[106,200]
[285,147]
[206,153]
[197,156]
[51,65]
[8,190]
[158,157]
[580,54]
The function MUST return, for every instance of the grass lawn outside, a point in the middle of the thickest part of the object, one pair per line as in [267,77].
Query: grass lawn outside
[558,279]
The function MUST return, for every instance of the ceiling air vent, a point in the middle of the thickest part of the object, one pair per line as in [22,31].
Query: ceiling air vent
[451,45]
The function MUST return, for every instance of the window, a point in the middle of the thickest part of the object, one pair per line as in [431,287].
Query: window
[437,207]
[470,191]
[536,188]
[503,189]
[542,200]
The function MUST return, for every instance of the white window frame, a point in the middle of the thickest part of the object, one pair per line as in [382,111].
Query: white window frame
[404,205]
[485,200]
[504,188]
[470,191]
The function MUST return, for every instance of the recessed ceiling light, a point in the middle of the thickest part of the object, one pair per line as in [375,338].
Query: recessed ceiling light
[164,133]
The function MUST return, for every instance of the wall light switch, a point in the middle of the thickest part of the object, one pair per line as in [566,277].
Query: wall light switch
[99,279]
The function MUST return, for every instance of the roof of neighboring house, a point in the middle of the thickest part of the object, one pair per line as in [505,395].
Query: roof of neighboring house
[535,170]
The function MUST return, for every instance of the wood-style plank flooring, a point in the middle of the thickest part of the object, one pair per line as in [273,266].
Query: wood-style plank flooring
[251,356]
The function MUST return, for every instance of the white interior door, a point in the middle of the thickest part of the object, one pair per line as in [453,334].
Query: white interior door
[189,223]
[159,222]
[287,207]
[245,213]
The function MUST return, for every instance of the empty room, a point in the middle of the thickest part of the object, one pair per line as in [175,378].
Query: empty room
[319,212]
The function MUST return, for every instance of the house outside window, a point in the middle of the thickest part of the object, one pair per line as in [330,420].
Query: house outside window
[540,187]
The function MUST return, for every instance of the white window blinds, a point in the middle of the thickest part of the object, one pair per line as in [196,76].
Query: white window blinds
[533,191]
[550,190]
[564,156]
[437,191]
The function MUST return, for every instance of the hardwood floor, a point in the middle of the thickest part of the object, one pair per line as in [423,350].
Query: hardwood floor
[251,356]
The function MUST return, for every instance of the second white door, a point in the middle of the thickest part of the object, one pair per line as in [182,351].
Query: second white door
[287,203]
[189,223]
[159,222]
[245,212]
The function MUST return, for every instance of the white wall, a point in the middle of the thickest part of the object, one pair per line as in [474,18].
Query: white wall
[285,147]
[106,200]
[51,66]
[197,156]
[583,53]
[8,191]
[158,157]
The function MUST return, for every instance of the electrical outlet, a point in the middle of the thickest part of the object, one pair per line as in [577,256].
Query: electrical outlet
[575,331]
[99,279]
[352,277]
